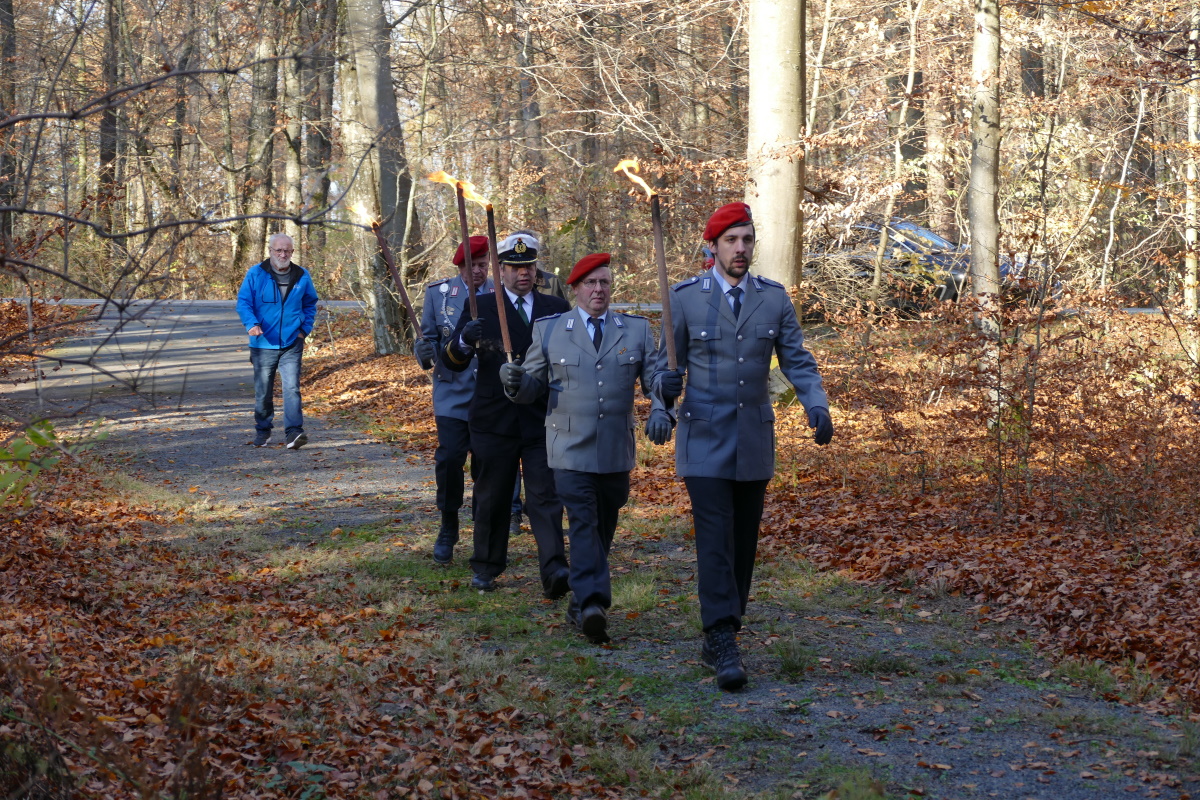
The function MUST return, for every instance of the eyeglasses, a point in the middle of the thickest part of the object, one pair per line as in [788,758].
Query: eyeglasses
[283,251]
[597,283]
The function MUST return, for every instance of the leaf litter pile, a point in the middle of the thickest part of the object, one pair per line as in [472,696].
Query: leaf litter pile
[143,667]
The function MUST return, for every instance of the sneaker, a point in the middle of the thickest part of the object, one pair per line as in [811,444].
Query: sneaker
[720,651]
[262,437]
[299,441]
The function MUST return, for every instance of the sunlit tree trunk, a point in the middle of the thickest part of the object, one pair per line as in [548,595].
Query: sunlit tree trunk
[983,198]
[776,122]
[375,148]
[1191,273]
[260,153]
[292,106]
[317,80]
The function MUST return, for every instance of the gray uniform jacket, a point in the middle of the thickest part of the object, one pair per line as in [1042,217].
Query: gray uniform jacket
[726,419]
[444,304]
[589,414]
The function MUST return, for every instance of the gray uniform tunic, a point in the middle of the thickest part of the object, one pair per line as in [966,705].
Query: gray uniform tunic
[589,416]
[444,304]
[726,419]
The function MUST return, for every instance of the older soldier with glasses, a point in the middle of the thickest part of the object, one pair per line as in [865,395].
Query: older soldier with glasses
[277,303]
[588,361]
[727,326]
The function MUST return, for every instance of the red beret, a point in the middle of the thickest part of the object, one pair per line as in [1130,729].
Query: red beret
[586,265]
[725,218]
[479,248]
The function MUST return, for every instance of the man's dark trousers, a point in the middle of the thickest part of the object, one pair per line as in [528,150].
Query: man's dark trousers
[726,514]
[454,441]
[499,457]
[593,501]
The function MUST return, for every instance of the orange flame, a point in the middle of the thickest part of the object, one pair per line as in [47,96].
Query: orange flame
[468,188]
[359,210]
[631,167]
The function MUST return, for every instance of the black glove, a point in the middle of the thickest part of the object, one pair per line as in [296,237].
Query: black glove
[426,353]
[472,332]
[819,418]
[510,376]
[658,427]
[671,385]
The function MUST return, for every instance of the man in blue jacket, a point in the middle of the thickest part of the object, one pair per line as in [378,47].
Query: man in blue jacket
[278,304]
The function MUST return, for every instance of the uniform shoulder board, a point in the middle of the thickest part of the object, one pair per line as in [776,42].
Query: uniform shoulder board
[688,282]
[627,315]
[431,284]
[548,316]
[769,282]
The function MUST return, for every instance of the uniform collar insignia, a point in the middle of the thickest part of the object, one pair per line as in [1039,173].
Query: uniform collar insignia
[618,322]
[754,280]
[454,292]
[706,286]
[570,323]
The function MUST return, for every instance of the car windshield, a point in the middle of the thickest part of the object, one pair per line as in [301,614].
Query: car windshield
[924,236]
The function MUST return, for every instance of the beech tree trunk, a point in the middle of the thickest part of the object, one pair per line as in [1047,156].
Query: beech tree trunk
[776,123]
[983,210]
[260,154]
[1191,273]
[374,147]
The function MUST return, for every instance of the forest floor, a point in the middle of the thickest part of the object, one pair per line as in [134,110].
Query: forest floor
[344,662]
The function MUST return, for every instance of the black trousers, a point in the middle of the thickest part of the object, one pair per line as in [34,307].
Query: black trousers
[726,515]
[499,457]
[593,501]
[454,442]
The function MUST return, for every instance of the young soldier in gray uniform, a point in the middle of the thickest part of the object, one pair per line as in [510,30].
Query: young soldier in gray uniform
[445,301]
[589,360]
[727,325]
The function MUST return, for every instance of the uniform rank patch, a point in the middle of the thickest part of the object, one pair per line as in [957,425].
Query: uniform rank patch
[454,292]
[757,285]
[706,286]
[620,324]
[571,323]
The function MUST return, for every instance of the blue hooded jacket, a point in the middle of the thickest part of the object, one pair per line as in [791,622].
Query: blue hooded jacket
[259,302]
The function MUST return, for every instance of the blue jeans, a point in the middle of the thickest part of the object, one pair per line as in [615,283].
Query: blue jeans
[287,363]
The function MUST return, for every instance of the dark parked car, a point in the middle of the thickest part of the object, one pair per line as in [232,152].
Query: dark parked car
[929,263]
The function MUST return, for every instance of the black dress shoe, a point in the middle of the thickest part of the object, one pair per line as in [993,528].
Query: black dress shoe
[720,651]
[593,621]
[443,548]
[558,585]
[514,524]
[483,583]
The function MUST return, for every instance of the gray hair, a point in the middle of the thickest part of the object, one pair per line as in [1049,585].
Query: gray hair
[276,236]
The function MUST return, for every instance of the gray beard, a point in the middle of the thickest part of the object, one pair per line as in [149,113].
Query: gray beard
[275,265]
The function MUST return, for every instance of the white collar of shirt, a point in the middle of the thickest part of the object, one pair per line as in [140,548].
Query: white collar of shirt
[726,285]
[514,297]
[588,317]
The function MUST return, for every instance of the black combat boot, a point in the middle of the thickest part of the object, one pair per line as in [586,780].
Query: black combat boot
[720,651]
[443,548]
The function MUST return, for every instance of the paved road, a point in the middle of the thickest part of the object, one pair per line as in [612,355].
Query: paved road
[173,385]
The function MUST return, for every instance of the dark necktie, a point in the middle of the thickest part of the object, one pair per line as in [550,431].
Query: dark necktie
[521,310]
[736,293]
[597,332]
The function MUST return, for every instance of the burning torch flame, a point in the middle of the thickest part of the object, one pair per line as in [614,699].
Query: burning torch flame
[468,188]
[631,167]
[359,210]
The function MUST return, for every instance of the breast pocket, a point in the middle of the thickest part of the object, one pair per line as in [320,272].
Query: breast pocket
[631,364]
[703,342]
[767,333]
[564,368]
